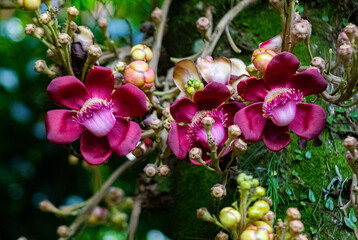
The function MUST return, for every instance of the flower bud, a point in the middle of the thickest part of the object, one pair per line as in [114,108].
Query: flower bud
[72,12]
[245,185]
[22,238]
[139,74]
[151,170]
[166,124]
[344,52]
[241,178]
[203,25]
[221,236]
[195,154]
[342,39]
[45,18]
[296,226]
[156,124]
[301,31]
[268,200]
[218,191]
[261,57]
[229,217]
[39,32]
[259,191]
[262,206]
[234,131]
[293,214]
[163,170]
[40,66]
[301,237]
[62,231]
[98,215]
[208,123]
[29,5]
[157,16]
[255,213]
[47,206]
[350,143]
[255,182]
[239,146]
[319,63]
[72,159]
[273,44]
[94,51]
[278,4]
[103,23]
[254,233]
[64,38]
[115,194]
[269,217]
[119,219]
[203,214]
[263,225]
[120,66]
[72,27]
[350,30]
[30,29]
[141,52]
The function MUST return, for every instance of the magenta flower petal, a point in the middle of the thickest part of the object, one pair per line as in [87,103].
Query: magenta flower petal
[68,92]
[309,121]
[276,138]
[252,89]
[95,150]
[218,70]
[230,109]
[183,110]
[60,127]
[308,82]
[211,96]
[129,101]
[124,136]
[273,44]
[177,140]
[280,69]
[100,82]
[251,122]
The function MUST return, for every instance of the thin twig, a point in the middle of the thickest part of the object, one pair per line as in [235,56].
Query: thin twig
[93,202]
[225,20]
[133,223]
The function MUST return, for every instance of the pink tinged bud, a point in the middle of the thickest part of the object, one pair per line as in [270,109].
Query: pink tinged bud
[151,170]
[296,226]
[218,191]
[163,170]
[351,30]
[72,12]
[30,29]
[273,44]
[281,104]
[350,143]
[301,31]
[141,52]
[62,231]
[342,39]
[157,16]
[344,52]
[221,236]
[254,233]
[195,154]
[293,214]
[97,116]
[103,23]
[139,74]
[64,38]
[45,18]
[319,63]
[261,58]
[203,25]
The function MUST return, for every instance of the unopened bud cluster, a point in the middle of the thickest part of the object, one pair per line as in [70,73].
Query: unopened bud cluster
[193,85]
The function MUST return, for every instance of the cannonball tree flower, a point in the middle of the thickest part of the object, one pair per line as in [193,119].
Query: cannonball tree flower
[98,116]
[280,104]
[188,132]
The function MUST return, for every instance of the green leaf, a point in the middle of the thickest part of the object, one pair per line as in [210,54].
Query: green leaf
[294,173]
[345,21]
[325,18]
[308,155]
[297,151]
[303,196]
[354,115]
[329,204]
[352,215]
[340,110]
[300,9]
[313,230]
[299,157]
[303,203]
[330,119]
[288,191]
[311,196]
[349,223]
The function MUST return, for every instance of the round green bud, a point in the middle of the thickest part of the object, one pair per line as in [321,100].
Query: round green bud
[190,90]
[186,86]
[190,82]
[229,217]
[196,84]
[245,185]
[255,213]
[241,178]
[262,205]
[260,191]
[255,182]
[201,86]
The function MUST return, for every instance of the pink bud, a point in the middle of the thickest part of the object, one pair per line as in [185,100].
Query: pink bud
[301,31]
[273,44]
[139,74]
[261,58]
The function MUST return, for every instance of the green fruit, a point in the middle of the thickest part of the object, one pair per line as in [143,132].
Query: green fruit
[262,206]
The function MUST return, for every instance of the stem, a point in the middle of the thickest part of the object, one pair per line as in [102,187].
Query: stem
[84,69]
[158,41]
[93,201]
[225,20]
[235,48]
[137,207]
[243,206]
[290,13]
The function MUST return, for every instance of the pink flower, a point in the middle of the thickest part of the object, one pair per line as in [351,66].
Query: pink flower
[188,132]
[281,94]
[98,116]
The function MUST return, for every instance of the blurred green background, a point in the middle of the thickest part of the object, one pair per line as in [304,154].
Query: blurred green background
[32,169]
